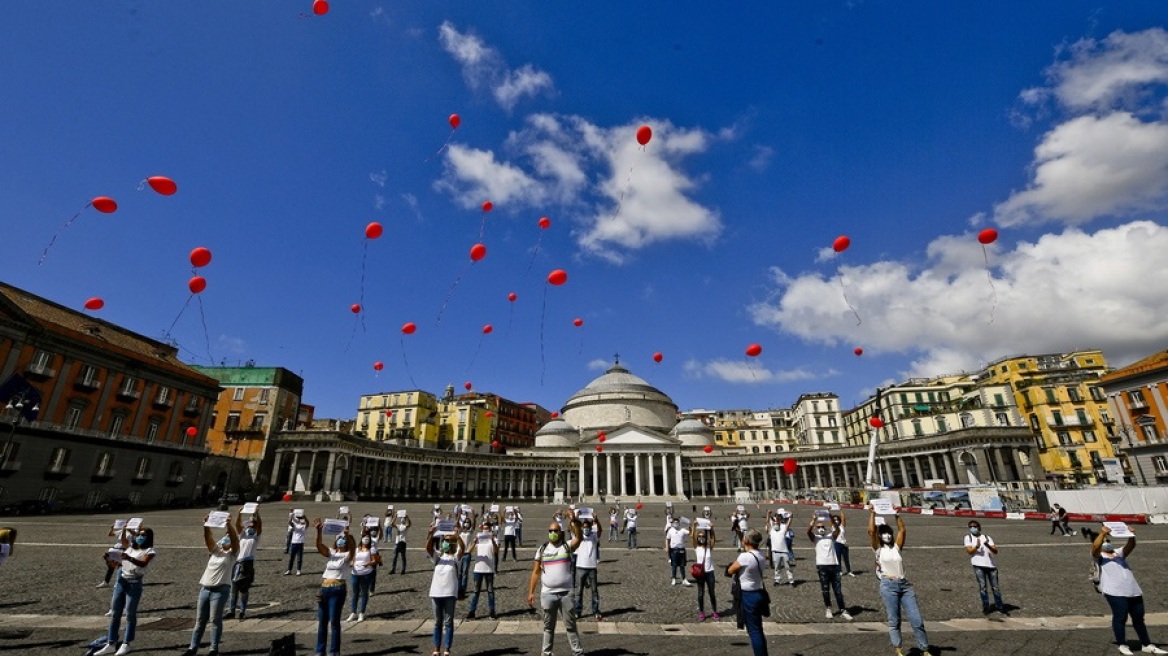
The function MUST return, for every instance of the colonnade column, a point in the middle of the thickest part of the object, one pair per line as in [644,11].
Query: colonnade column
[677,476]
[608,473]
[652,478]
[637,474]
[623,486]
[596,475]
[664,475]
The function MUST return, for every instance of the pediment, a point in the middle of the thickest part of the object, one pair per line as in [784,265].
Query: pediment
[629,436]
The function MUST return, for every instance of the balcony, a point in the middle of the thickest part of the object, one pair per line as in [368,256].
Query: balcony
[163,402]
[191,409]
[142,477]
[89,383]
[1072,422]
[174,480]
[129,394]
[39,371]
[9,466]
[104,474]
[58,470]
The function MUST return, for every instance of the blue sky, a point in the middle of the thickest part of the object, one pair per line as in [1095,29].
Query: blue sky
[777,127]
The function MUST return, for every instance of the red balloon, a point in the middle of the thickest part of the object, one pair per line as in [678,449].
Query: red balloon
[192,431]
[197,284]
[512,297]
[495,444]
[987,236]
[389,413]
[373,230]
[487,329]
[477,252]
[876,422]
[378,366]
[409,328]
[644,134]
[657,357]
[488,206]
[355,308]
[599,448]
[558,277]
[858,351]
[602,435]
[578,322]
[841,243]
[467,385]
[708,448]
[200,257]
[162,185]
[104,204]
[489,414]
[455,121]
[640,506]
[94,303]
[287,496]
[754,350]
[545,223]
[789,466]
[320,7]
[555,415]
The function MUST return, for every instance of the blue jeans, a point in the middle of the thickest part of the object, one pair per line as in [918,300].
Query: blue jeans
[843,555]
[707,581]
[1121,607]
[479,579]
[463,573]
[126,596]
[897,593]
[987,579]
[677,564]
[752,613]
[328,618]
[210,607]
[829,581]
[632,538]
[587,579]
[443,608]
[296,554]
[362,584]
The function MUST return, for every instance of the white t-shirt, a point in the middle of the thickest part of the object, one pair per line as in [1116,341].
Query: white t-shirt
[247,547]
[403,530]
[484,555]
[588,553]
[1116,578]
[363,561]
[130,571]
[630,520]
[445,581]
[743,525]
[218,571]
[842,538]
[509,527]
[779,539]
[298,531]
[704,556]
[889,564]
[556,565]
[982,557]
[337,566]
[114,553]
[825,551]
[676,537]
[750,570]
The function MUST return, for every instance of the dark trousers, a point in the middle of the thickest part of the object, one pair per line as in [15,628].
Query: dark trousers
[829,581]
[399,549]
[1121,608]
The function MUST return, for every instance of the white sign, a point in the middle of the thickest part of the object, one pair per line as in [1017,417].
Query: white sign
[684,521]
[217,519]
[508,508]
[883,506]
[299,512]
[584,513]
[333,527]
[372,522]
[1114,469]
[134,524]
[823,516]
[879,521]
[445,527]
[389,509]
[401,513]
[343,511]
[250,508]
[494,507]
[703,524]
[834,507]
[119,524]
[740,509]
[1119,530]
[1015,515]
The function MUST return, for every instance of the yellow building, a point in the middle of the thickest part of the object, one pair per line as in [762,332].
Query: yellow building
[1062,398]
[410,417]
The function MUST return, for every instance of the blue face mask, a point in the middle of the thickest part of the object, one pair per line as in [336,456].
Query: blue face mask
[140,540]
[1107,546]
[224,542]
[249,533]
[341,543]
[973,530]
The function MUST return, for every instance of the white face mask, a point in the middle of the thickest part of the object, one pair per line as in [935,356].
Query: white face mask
[886,538]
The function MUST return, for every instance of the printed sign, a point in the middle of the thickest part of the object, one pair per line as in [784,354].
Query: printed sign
[879,520]
[508,508]
[250,508]
[494,507]
[389,509]
[703,524]
[684,521]
[834,507]
[823,516]
[217,519]
[119,524]
[372,522]
[343,511]
[444,527]
[333,527]
[134,524]
[1119,530]
[883,506]
[740,509]
[584,513]
[401,513]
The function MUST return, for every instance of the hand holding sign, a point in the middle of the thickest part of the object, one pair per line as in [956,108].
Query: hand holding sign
[250,508]
[883,506]
[217,519]
[333,527]
[444,527]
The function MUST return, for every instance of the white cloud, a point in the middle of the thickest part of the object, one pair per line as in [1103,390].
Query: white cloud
[1101,75]
[379,177]
[412,202]
[762,157]
[483,67]
[625,197]
[1065,291]
[748,372]
[599,364]
[379,202]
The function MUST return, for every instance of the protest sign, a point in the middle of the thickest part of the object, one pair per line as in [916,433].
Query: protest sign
[250,508]
[333,527]
[883,507]
[217,519]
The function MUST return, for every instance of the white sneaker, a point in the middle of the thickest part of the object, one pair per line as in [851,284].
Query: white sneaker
[1153,649]
[352,617]
[686,582]
[1125,650]
[123,650]
[846,615]
[827,613]
[360,617]
[109,613]
[103,584]
[852,574]
[297,572]
[109,648]
[672,581]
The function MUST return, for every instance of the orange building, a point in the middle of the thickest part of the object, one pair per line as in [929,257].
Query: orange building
[1138,398]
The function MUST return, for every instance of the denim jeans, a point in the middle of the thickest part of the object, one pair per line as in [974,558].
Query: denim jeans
[362,584]
[780,559]
[677,564]
[479,579]
[843,554]
[829,581]
[752,604]
[1121,607]
[987,580]
[126,596]
[210,607]
[587,579]
[399,549]
[443,608]
[613,532]
[897,593]
[632,538]
[328,618]
[553,604]
[242,576]
[296,554]
[463,573]
[707,581]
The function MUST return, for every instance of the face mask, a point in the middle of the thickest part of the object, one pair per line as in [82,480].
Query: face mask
[445,545]
[821,531]
[587,530]
[676,525]
[973,530]
[140,540]
[224,542]
[553,536]
[249,533]
[366,541]
[701,540]
[341,543]
[886,538]
[1107,546]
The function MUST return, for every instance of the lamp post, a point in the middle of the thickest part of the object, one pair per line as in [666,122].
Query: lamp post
[17,403]
[235,440]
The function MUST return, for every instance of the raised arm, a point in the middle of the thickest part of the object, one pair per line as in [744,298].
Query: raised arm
[430,542]
[320,548]
[901,532]
[257,523]
[233,533]
[1097,544]
[577,533]
[873,536]
[1130,546]
[238,521]
[207,539]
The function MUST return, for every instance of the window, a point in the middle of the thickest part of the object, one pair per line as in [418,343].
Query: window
[40,362]
[831,421]
[1001,419]
[1081,415]
[1161,464]
[163,396]
[152,430]
[257,421]
[232,421]
[116,424]
[49,494]
[462,416]
[1096,460]
[73,417]
[999,401]
[265,394]
[815,406]
[1089,436]
[142,469]
[1137,399]
[238,394]
[966,420]
[1056,417]
[129,387]
[916,424]
[1074,395]
[1150,432]
[1034,422]
[1064,438]
[942,425]
[1096,394]
[59,459]
[1050,395]
[88,377]
[176,471]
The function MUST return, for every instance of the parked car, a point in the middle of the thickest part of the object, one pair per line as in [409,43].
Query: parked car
[28,507]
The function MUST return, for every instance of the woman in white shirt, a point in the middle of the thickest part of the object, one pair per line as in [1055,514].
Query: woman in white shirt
[842,553]
[243,574]
[332,589]
[703,544]
[895,589]
[365,562]
[298,525]
[754,603]
[486,551]
[444,552]
[1123,594]
[216,582]
[139,552]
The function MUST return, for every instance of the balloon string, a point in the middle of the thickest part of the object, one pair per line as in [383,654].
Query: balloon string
[406,362]
[844,291]
[450,293]
[510,316]
[445,144]
[750,367]
[142,184]
[476,353]
[180,313]
[990,278]
[534,252]
[53,240]
[364,257]
[542,314]
[628,183]
[206,333]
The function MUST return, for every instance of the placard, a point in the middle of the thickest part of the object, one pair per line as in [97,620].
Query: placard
[217,519]
[584,513]
[740,509]
[883,507]
[508,508]
[388,509]
[684,521]
[834,507]
[134,524]
[343,511]
[485,536]
[299,512]
[119,524]
[250,507]
[372,522]
[333,527]
[1119,530]
[444,527]
[467,509]
[823,516]
[703,524]
[401,513]
[494,507]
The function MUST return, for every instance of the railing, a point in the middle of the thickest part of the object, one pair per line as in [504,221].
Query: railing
[129,394]
[87,383]
[105,435]
[10,465]
[63,470]
[40,370]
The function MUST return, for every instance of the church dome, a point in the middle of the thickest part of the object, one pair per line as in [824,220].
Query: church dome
[556,433]
[618,397]
[692,432]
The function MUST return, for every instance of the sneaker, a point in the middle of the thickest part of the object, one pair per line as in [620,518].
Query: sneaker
[288,573]
[1125,650]
[360,617]
[109,613]
[351,618]
[686,582]
[229,615]
[715,617]
[103,584]
[778,582]
[123,650]
[846,615]
[493,616]
[791,580]
[599,617]
[672,581]
[1153,649]
[701,617]
[852,574]
[827,613]
[109,648]
[297,572]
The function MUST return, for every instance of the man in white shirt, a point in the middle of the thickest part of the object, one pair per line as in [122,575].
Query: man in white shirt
[780,552]
[399,542]
[552,573]
[587,560]
[486,550]
[676,538]
[827,564]
[631,527]
[982,549]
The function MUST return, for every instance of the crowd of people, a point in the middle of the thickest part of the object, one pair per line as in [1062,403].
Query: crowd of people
[464,552]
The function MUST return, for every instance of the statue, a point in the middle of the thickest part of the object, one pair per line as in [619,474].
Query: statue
[739,477]
[559,479]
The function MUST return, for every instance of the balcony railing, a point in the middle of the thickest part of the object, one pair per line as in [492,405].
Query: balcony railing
[40,370]
[1073,422]
[160,402]
[59,470]
[10,466]
[105,474]
[130,394]
[143,476]
[87,382]
[61,428]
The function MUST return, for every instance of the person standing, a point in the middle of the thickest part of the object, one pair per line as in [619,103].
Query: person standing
[399,541]
[331,600]
[587,560]
[127,593]
[749,567]
[298,524]
[895,589]
[365,563]
[1057,523]
[675,539]
[703,544]
[827,566]
[631,527]
[510,533]
[387,525]
[552,574]
[842,553]
[444,552]
[1122,592]
[780,551]
[7,540]
[216,582]
[486,552]
[112,558]
[613,525]
[982,549]
[465,535]
[243,574]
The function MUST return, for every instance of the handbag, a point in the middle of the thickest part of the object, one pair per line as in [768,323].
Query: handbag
[697,571]
[765,611]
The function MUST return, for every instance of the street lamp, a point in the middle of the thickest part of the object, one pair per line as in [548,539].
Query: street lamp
[227,483]
[19,403]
